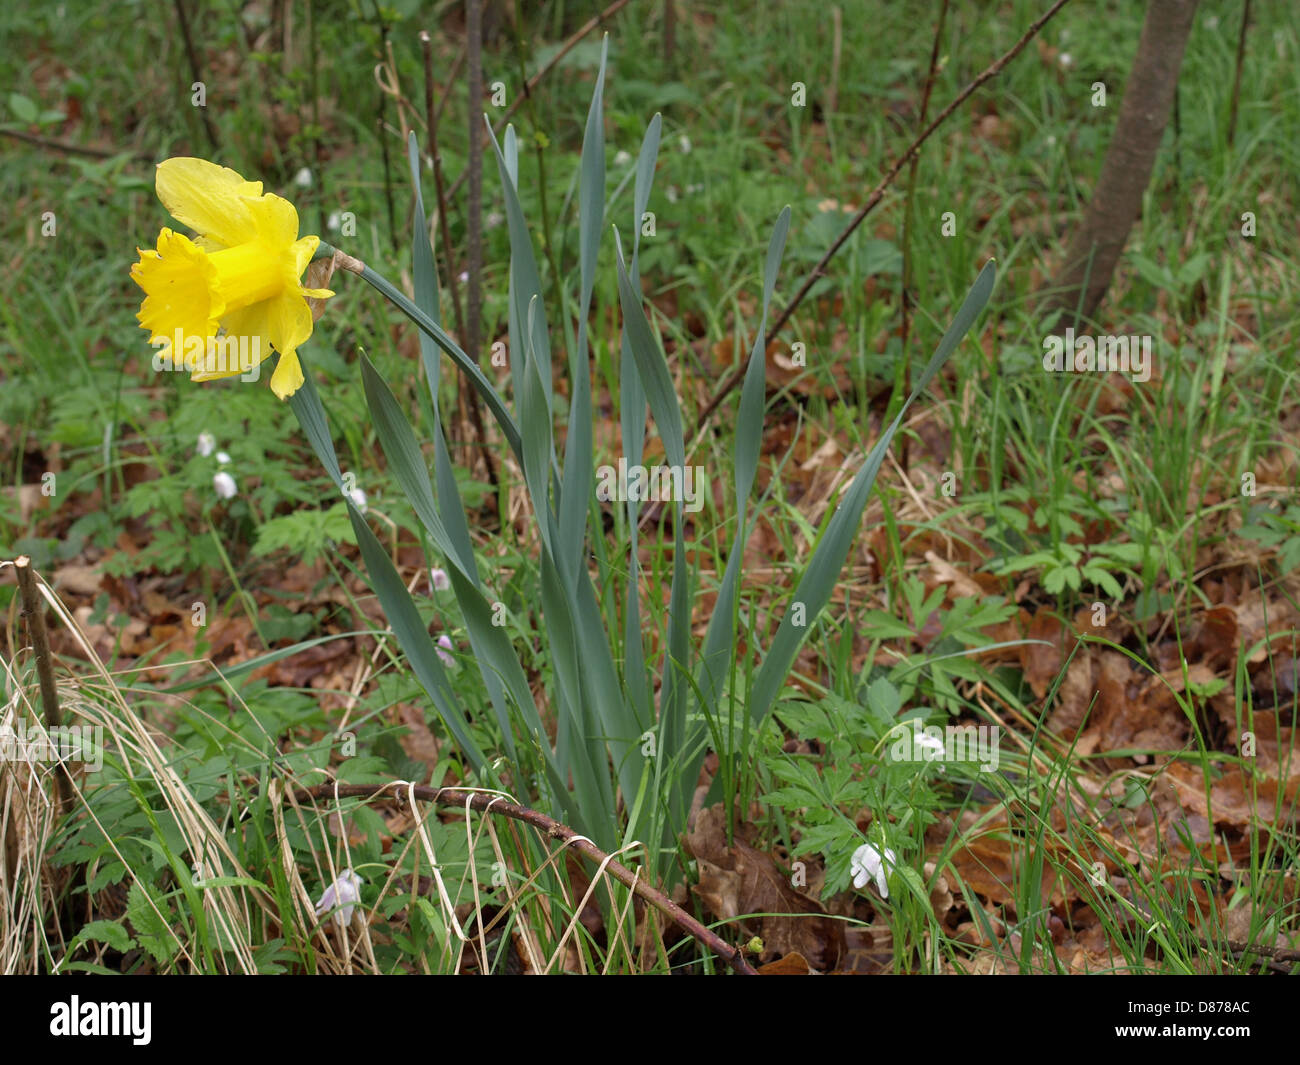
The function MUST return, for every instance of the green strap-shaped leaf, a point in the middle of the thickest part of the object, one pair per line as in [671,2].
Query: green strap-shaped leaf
[408,627]
[720,638]
[496,657]
[632,406]
[427,325]
[653,370]
[823,570]
[651,365]
[575,500]
[425,277]
[525,281]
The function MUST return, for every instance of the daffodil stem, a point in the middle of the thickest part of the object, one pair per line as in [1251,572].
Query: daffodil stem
[432,330]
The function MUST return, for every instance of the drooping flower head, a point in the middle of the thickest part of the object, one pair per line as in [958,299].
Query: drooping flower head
[341,896]
[869,864]
[224,485]
[240,275]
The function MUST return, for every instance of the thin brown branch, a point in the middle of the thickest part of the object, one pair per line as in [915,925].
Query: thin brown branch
[195,70]
[465,395]
[487,803]
[70,148]
[474,168]
[876,195]
[386,52]
[670,34]
[435,156]
[457,63]
[1236,74]
[34,611]
[535,80]
[832,106]
[905,303]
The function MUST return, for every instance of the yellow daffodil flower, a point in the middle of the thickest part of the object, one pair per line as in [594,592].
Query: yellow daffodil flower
[241,275]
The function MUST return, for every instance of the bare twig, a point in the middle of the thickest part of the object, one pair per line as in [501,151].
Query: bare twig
[906,301]
[539,145]
[466,396]
[670,34]
[435,156]
[457,63]
[837,46]
[1236,76]
[318,148]
[70,148]
[34,610]
[535,80]
[385,51]
[488,803]
[474,168]
[195,70]
[876,195]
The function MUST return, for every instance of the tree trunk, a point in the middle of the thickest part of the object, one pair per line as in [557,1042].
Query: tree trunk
[1085,272]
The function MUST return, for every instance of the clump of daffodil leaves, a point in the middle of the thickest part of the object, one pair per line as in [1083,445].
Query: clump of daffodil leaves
[241,273]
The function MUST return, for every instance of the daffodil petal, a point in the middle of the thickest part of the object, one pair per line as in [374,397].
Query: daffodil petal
[212,200]
[288,321]
[276,222]
[303,248]
[287,378]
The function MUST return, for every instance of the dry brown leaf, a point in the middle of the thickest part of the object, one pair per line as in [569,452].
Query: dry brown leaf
[791,965]
[740,880]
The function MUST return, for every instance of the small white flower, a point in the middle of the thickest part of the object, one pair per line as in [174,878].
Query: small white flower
[1051,140]
[441,582]
[672,193]
[345,892]
[464,277]
[224,485]
[1066,60]
[445,645]
[493,219]
[358,498]
[334,219]
[207,444]
[867,864]
[921,739]
[684,143]
[223,458]
[303,178]
[622,158]
[1212,23]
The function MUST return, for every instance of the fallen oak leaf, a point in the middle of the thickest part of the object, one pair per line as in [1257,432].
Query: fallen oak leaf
[739,880]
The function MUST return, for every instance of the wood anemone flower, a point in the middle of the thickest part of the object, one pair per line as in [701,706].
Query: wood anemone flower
[240,276]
